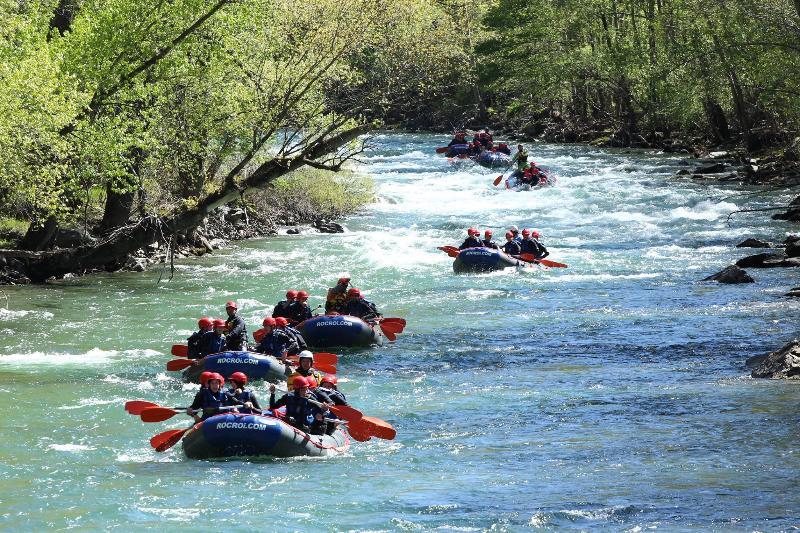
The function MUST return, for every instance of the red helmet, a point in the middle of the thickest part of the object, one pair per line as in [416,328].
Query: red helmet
[239,377]
[231,304]
[302,296]
[473,231]
[291,294]
[354,293]
[281,322]
[218,377]
[535,234]
[509,235]
[299,382]
[327,378]
[343,280]
[487,233]
[312,383]
[219,323]
[526,232]
[204,377]
[205,323]
[269,322]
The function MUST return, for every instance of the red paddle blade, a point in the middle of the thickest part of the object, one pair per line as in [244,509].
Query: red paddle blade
[166,440]
[377,427]
[442,149]
[394,327]
[395,319]
[179,364]
[135,407]
[157,414]
[448,250]
[497,180]
[345,412]
[360,436]
[556,264]
[325,367]
[389,335]
[180,350]
[325,357]
[258,334]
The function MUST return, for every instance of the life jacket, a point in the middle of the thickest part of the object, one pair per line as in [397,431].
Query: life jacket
[235,341]
[512,247]
[336,299]
[314,373]
[299,311]
[210,343]
[296,337]
[274,344]
[210,402]
[281,309]
[193,343]
[243,397]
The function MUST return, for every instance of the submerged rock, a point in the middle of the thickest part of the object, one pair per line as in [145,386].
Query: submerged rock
[794,292]
[328,227]
[754,243]
[765,260]
[731,274]
[780,364]
[715,168]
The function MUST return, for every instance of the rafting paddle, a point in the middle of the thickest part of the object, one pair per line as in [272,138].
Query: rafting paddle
[159,413]
[394,319]
[452,251]
[180,350]
[357,434]
[499,178]
[167,439]
[388,333]
[530,258]
[135,407]
[442,149]
[375,427]
[180,364]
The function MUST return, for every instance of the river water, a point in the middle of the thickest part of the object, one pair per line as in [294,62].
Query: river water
[608,395]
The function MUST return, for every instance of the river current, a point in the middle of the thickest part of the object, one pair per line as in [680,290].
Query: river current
[610,395]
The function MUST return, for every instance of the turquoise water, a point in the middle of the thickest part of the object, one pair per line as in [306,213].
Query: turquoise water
[609,395]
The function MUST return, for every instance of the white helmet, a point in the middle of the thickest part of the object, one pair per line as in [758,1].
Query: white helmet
[305,354]
[514,229]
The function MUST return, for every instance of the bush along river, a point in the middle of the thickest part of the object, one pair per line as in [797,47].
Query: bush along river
[608,395]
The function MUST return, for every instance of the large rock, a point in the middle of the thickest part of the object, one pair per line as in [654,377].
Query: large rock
[780,364]
[765,260]
[236,216]
[715,168]
[754,243]
[328,227]
[731,274]
[793,249]
[795,293]
[71,238]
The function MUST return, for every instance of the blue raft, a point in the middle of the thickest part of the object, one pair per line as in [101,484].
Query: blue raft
[254,365]
[493,159]
[483,260]
[325,331]
[455,150]
[237,435]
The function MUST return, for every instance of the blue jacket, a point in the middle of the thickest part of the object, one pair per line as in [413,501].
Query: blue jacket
[298,343]
[245,396]
[210,343]
[299,311]
[471,242]
[299,411]
[512,247]
[275,344]
[210,402]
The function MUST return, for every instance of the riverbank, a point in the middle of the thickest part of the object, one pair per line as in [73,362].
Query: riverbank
[311,198]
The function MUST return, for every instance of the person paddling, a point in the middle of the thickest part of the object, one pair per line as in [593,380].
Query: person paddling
[236,338]
[472,240]
[298,343]
[329,386]
[487,241]
[458,138]
[205,324]
[520,158]
[210,399]
[359,307]
[305,368]
[241,396]
[282,308]
[275,343]
[212,341]
[336,300]
[532,246]
[299,310]
[511,247]
[300,412]
[515,232]
[541,251]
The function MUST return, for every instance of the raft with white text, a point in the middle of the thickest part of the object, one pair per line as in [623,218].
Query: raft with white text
[239,435]
[325,331]
[254,365]
[483,260]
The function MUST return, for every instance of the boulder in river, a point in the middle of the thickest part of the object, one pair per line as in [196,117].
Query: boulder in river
[765,260]
[328,227]
[754,243]
[793,249]
[714,168]
[795,293]
[731,274]
[780,364]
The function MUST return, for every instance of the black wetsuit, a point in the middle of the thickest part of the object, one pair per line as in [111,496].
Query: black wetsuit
[471,242]
[512,247]
[236,339]
[282,309]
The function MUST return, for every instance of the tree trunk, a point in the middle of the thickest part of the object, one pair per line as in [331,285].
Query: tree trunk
[118,209]
[716,119]
[63,14]
[38,237]
[112,251]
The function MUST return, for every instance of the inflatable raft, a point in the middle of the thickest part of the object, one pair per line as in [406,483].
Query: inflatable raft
[237,435]
[513,182]
[493,160]
[325,331]
[254,365]
[483,260]
[456,150]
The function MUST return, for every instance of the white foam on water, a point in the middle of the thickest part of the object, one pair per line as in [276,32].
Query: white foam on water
[89,402]
[73,448]
[92,357]
[11,314]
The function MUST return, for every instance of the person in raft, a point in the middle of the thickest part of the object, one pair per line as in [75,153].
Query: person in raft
[359,307]
[520,158]
[336,299]
[503,148]
[511,247]
[211,399]
[533,176]
[282,307]
[300,412]
[329,385]
[472,240]
[459,138]
[487,241]
[305,368]
[236,329]
[298,343]
[205,324]
[242,396]
[274,342]
[515,232]
[212,341]
[299,310]
[532,246]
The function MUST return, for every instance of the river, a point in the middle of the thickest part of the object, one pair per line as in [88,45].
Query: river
[608,395]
